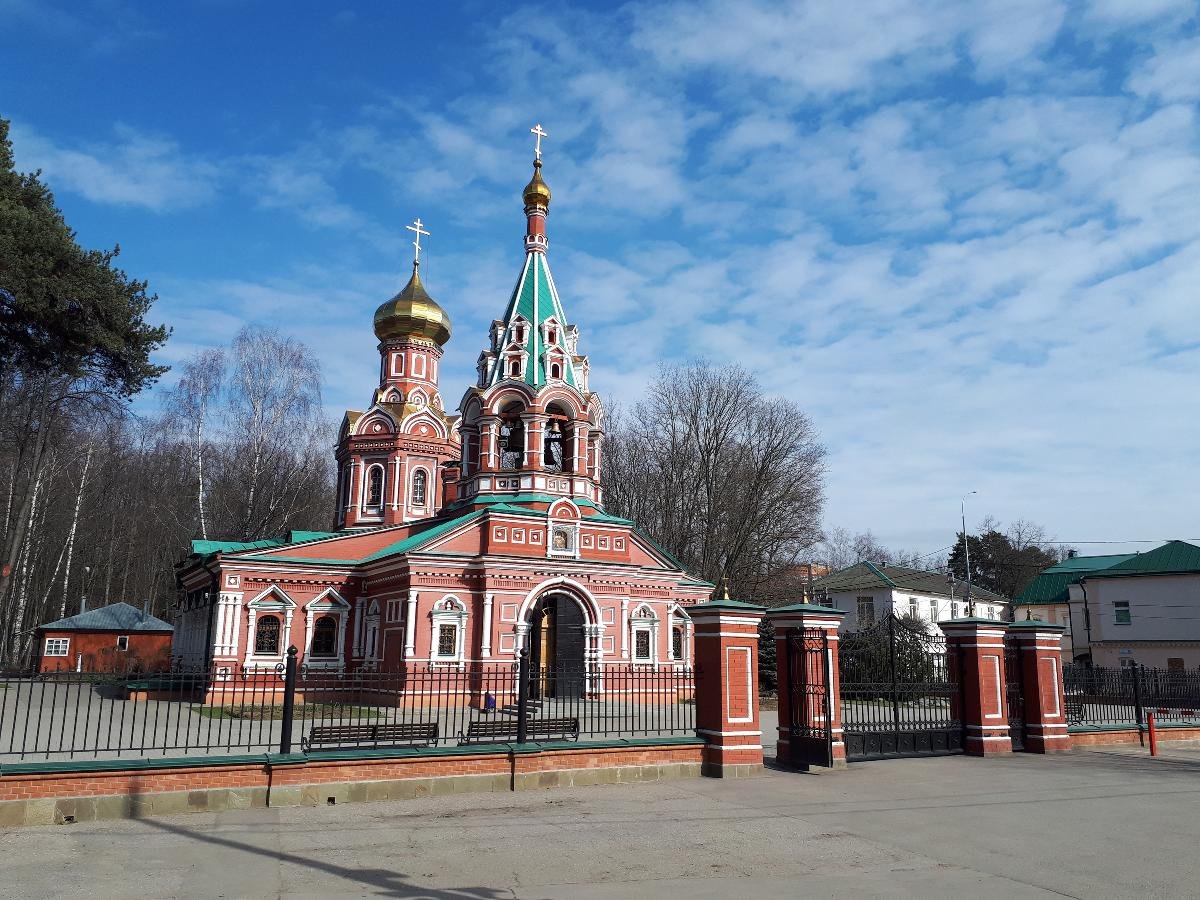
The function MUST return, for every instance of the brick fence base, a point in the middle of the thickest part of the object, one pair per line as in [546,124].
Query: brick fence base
[1102,737]
[91,792]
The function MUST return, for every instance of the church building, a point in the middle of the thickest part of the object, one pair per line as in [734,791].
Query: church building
[458,538]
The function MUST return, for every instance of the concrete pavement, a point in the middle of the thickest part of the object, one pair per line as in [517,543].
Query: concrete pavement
[1091,824]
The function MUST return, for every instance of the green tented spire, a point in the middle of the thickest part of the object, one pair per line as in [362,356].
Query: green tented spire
[535,327]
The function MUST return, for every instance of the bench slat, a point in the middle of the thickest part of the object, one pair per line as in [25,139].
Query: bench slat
[394,732]
[507,730]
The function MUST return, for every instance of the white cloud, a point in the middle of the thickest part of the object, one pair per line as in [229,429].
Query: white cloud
[1172,74]
[136,169]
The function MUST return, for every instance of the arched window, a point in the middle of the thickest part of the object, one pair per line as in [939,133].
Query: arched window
[555,370]
[677,642]
[418,487]
[375,486]
[512,438]
[514,367]
[324,637]
[266,636]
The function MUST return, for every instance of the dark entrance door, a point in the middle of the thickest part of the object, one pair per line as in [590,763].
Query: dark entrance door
[1014,691]
[556,649]
[901,694]
[810,735]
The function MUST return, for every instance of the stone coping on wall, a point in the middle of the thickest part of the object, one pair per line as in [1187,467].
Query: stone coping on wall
[50,767]
[35,795]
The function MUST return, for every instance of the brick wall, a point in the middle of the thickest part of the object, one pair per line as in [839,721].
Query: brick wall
[35,797]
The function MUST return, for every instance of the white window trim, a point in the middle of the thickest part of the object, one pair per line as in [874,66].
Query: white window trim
[65,647]
[366,488]
[272,601]
[448,611]
[645,620]
[125,638]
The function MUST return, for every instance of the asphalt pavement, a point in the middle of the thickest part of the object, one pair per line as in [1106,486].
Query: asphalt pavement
[1090,824]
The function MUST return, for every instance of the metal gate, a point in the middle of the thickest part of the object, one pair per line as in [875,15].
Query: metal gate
[810,736]
[1014,677]
[901,691]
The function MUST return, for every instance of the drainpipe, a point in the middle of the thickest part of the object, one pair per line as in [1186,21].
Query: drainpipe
[1087,620]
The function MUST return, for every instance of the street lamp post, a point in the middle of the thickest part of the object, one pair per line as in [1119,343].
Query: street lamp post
[967,547]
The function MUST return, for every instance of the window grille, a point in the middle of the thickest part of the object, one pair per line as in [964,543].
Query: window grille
[266,636]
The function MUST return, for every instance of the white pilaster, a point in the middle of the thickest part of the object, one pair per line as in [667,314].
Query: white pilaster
[410,626]
[485,649]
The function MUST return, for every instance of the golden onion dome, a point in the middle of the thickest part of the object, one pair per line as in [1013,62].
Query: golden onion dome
[412,313]
[537,192]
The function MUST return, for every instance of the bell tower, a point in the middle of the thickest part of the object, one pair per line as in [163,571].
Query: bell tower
[530,424]
[391,457]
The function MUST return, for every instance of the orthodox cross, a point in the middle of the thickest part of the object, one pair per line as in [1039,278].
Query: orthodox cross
[537,148]
[415,227]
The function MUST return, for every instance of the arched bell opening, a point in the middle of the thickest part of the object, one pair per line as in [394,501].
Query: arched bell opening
[512,437]
[557,443]
[557,644]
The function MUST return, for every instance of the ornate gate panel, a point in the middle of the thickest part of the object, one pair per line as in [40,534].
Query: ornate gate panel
[901,692]
[810,736]
[1015,692]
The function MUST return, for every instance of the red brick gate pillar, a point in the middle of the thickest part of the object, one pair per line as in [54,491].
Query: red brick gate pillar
[976,647]
[726,642]
[1040,646]
[807,710]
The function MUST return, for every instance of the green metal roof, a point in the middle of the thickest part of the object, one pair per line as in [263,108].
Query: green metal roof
[207,548]
[1172,558]
[1052,584]
[535,300]
[867,576]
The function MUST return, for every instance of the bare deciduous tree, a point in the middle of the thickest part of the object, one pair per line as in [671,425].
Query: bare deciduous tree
[728,480]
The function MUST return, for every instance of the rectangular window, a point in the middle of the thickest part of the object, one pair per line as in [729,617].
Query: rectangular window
[641,645]
[123,642]
[447,640]
[57,646]
[933,613]
[913,607]
[1121,612]
[866,611]
[954,610]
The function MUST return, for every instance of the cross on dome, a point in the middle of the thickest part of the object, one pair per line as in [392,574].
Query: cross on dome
[537,147]
[417,230]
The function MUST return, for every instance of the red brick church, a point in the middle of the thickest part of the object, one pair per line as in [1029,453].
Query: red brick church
[459,538]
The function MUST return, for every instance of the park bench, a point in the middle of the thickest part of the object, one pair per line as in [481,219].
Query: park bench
[392,734]
[504,731]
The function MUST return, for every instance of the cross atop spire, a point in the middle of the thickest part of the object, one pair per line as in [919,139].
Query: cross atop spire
[417,230]
[537,147]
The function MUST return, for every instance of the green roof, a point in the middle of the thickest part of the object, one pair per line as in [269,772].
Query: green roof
[868,576]
[1172,558]
[207,548]
[535,300]
[1053,583]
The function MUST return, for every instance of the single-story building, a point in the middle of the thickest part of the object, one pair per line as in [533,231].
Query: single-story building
[113,638]
[868,592]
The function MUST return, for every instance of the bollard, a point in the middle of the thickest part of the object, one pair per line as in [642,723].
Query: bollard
[289,701]
[1153,734]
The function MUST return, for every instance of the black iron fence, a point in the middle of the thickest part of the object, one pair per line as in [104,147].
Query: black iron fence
[900,691]
[225,710]
[1107,696]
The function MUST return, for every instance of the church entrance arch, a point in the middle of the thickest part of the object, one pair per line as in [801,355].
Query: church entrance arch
[557,644]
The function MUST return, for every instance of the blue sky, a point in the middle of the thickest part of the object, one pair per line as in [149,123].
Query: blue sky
[965,237]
